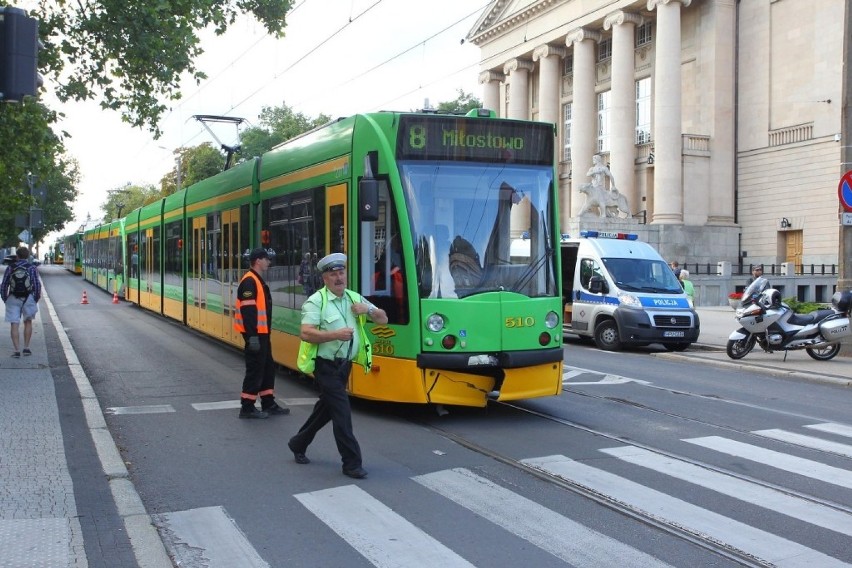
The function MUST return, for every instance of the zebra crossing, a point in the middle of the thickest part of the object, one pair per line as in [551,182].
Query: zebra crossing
[385,537]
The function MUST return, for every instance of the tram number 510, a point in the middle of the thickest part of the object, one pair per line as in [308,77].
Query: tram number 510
[520,321]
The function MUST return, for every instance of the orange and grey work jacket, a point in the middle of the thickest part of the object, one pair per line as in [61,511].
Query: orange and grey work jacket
[252,321]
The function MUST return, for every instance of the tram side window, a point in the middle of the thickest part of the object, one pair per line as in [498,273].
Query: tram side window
[133,252]
[293,229]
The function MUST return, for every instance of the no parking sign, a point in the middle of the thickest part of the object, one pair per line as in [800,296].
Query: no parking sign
[844,191]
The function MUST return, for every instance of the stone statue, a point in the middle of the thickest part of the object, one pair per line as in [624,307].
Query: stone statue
[609,202]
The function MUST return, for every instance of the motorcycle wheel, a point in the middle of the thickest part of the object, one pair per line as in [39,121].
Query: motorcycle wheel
[825,353]
[739,348]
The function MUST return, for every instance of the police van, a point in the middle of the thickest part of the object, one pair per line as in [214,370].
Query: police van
[619,291]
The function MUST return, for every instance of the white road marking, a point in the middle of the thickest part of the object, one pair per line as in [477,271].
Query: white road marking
[831,428]
[207,534]
[149,409]
[766,497]
[764,545]
[382,536]
[576,544]
[800,466]
[806,441]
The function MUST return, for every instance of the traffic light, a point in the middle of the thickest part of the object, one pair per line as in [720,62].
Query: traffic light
[18,55]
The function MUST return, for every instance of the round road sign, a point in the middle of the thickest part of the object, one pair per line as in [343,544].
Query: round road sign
[844,191]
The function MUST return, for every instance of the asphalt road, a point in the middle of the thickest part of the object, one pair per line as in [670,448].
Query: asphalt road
[647,458]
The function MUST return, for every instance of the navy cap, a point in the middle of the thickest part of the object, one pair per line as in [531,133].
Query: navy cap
[333,261]
[258,253]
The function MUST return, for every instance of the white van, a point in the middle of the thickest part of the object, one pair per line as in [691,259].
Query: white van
[619,291]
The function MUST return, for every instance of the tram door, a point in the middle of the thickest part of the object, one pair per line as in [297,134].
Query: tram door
[336,219]
[196,280]
[232,270]
[148,288]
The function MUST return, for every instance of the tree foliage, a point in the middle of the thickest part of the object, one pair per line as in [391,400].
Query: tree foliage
[132,55]
[462,104]
[277,125]
[192,165]
[30,147]
[122,200]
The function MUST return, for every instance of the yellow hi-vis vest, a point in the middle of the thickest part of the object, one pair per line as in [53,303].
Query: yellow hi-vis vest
[308,351]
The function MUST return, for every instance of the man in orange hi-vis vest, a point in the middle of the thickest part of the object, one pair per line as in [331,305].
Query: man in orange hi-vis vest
[252,316]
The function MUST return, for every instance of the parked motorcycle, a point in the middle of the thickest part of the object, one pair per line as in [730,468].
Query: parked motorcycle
[768,322]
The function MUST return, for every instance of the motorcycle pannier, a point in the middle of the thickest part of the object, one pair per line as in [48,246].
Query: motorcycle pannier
[835,329]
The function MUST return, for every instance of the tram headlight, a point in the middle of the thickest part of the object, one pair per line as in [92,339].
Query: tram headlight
[551,320]
[435,323]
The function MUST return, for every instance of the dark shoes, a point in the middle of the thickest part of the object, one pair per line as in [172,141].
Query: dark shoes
[27,352]
[276,410]
[252,412]
[300,457]
[355,473]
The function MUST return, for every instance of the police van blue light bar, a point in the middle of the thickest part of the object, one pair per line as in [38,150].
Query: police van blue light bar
[605,235]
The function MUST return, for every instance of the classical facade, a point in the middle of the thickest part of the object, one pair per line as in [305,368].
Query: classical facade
[720,120]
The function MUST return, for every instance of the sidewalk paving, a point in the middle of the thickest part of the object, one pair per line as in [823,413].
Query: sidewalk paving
[52,429]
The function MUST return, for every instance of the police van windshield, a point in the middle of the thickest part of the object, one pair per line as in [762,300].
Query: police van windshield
[480,227]
[642,275]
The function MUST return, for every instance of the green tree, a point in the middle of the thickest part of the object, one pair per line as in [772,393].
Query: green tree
[277,125]
[132,55]
[122,200]
[464,103]
[30,147]
[192,165]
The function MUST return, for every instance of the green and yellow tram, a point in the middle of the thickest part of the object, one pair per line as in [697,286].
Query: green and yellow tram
[450,225]
[72,249]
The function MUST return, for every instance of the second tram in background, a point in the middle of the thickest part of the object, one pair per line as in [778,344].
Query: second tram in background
[450,224]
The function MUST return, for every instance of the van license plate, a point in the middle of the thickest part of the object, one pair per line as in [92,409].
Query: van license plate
[673,334]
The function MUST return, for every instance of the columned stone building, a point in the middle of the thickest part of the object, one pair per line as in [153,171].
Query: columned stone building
[720,120]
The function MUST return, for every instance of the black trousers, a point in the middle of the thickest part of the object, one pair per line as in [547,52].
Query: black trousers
[260,371]
[333,405]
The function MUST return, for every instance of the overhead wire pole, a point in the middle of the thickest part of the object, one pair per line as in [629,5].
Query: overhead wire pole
[844,282]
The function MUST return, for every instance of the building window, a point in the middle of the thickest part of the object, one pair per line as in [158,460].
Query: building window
[566,131]
[605,49]
[643,34]
[643,111]
[603,121]
[568,65]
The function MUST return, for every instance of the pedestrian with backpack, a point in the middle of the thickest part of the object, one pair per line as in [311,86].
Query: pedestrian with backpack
[21,291]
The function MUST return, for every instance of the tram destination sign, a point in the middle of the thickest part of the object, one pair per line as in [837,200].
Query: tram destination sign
[474,139]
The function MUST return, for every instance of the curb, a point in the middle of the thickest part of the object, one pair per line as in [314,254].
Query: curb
[148,547]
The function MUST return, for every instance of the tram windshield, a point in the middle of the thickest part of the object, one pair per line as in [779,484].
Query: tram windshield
[480,227]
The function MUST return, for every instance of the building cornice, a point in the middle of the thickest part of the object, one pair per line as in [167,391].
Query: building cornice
[491,26]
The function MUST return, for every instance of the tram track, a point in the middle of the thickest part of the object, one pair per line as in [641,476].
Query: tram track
[697,538]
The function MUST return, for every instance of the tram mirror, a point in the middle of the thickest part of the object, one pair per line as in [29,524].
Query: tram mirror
[368,199]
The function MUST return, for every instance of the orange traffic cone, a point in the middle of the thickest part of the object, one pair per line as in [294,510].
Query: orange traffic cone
[115,297]
[85,299]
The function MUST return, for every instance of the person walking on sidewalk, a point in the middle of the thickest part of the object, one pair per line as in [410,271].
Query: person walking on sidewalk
[252,317]
[21,291]
[333,319]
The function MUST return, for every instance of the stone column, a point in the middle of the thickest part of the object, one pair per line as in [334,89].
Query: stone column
[490,80]
[720,203]
[668,164]
[623,109]
[549,79]
[518,71]
[585,112]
